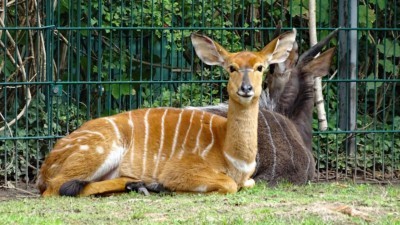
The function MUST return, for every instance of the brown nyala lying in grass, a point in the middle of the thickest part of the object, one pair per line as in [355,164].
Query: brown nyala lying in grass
[181,150]
[285,117]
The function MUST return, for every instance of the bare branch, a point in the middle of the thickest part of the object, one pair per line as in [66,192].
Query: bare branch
[20,67]
[2,14]
[9,129]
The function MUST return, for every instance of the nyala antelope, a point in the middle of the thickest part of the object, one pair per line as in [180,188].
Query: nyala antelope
[285,116]
[182,150]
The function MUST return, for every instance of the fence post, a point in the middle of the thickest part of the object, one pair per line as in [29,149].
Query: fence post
[347,70]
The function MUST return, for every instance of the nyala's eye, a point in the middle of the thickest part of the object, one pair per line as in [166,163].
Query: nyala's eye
[232,69]
[260,68]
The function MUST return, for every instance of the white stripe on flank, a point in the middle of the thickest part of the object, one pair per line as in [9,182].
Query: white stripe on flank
[286,138]
[53,166]
[241,165]
[79,138]
[307,151]
[186,136]
[208,148]
[114,125]
[272,144]
[130,121]
[199,133]
[146,139]
[176,134]
[111,163]
[132,141]
[308,164]
[90,132]
[65,147]
[158,158]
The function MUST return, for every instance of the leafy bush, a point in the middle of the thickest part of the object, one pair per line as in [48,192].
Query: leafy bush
[20,157]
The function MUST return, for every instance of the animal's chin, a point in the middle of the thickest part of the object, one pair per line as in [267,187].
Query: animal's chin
[243,94]
[245,98]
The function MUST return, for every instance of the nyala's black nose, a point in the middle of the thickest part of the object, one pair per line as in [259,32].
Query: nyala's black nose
[246,88]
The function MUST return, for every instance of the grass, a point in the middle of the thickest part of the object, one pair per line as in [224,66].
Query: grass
[321,203]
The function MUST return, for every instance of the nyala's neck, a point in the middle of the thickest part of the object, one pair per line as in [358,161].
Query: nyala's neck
[241,133]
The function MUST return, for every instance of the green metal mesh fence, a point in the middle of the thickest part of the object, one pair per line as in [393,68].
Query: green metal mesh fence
[65,62]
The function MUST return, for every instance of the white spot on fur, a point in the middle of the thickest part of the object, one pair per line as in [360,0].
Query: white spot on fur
[241,165]
[111,162]
[84,147]
[201,188]
[100,149]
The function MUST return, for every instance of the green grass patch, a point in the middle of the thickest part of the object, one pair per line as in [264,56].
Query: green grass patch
[321,203]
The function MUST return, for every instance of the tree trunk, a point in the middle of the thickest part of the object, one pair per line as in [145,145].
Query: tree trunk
[318,97]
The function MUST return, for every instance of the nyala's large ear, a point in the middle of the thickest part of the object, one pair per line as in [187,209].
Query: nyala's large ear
[279,49]
[320,66]
[209,51]
[291,60]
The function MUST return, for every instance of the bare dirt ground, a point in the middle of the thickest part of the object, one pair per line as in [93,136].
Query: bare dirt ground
[12,190]
[339,212]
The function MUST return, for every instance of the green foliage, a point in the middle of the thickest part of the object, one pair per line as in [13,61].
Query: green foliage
[39,121]
[186,95]
[389,48]
[155,54]
[366,16]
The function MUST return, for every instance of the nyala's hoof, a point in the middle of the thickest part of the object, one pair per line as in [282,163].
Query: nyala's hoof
[138,187]
[249,183]
[143,188]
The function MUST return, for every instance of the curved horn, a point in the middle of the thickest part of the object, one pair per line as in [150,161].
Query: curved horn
[277,30]
[314,50]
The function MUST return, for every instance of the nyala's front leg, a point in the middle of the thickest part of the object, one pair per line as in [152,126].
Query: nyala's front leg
[193,174]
